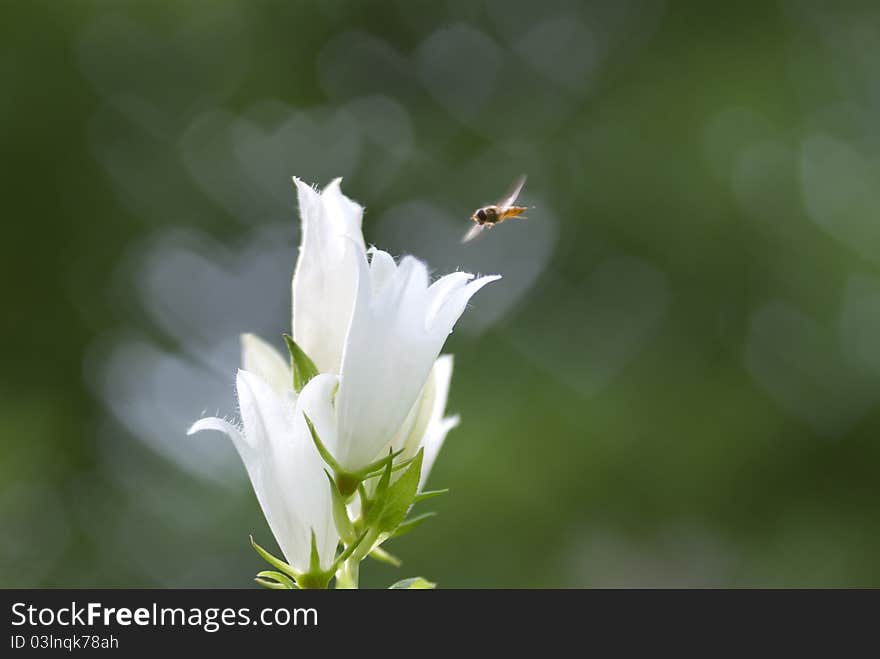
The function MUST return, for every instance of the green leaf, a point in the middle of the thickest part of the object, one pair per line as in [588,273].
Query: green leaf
[413,583]
[281,579]
[379,496]
[408,525]
[383,556]
[429,494]
[340,513]
[389,505]
[400,495]
[274,562]
[303,368]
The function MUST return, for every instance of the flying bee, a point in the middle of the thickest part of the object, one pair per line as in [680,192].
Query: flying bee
[488,216]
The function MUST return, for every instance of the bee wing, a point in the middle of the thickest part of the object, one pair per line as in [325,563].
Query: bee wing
[508,199]
[473,232]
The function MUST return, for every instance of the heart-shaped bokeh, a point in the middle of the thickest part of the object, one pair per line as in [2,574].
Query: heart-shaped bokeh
[518,249]
[178,73]
[841,188]
[145,170]
[202,296]
[616,310]
[860,323]
[244,163]
[802,365]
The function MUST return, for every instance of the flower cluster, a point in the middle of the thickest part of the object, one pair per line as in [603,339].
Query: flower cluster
[338,438]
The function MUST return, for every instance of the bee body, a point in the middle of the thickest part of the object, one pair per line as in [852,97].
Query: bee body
[488,216]
[492,215]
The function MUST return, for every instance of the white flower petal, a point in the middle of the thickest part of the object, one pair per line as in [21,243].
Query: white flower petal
[382,268]
[383,368]
[440,291]
[285,471]
[325,279]
[409,435]
[433,442]
[413,277]
[316,401]
[453,306]
[260,358]
[427,427]
[220,425]
[390,349]
[428,410]
[262,411]
[344,214]
[442,377]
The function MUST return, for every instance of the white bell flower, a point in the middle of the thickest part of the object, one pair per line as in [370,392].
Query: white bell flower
[284,468]
[378,324]
[398,327]
[374,329]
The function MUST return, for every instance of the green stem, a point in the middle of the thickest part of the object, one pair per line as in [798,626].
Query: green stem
[354,568]
[347,577]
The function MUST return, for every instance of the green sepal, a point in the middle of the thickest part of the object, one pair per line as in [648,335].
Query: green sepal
[408,525]
[314,556]
[429,494]
[383,556]
[370,539]
[379,494]
[413,583]
[282,580]
[350,549]
[389,505]
[326,455]
[346,482]
[314,578]
[340,513]
[273,561]
[381,464]
[372,531]
[365,501]
[272,585]
[303,368]
[400,495]
[378,467]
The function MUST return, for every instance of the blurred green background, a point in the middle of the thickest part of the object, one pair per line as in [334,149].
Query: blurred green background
[677,383]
